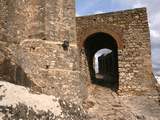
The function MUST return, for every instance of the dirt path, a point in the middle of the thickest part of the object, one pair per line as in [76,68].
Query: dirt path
[109,106]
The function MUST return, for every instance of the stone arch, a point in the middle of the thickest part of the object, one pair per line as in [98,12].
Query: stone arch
[114,31]
[108,62]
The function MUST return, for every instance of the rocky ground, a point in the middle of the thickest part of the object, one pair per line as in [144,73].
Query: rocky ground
[110,106]
[18,103]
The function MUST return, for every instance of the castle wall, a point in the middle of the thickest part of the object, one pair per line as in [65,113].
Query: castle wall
[33,32]
[3,15]
[24,19]
[130,29]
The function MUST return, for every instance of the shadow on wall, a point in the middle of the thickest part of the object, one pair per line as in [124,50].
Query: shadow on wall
[12,72]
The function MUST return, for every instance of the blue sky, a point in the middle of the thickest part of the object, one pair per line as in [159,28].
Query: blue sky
[87,7]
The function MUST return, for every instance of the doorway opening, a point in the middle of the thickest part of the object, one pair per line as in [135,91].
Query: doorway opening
[101,52]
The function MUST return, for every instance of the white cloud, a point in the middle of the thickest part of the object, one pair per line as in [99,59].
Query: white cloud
[138,5]
[158,73]
[98,12]
[155,33]
[154,17]
[77,15]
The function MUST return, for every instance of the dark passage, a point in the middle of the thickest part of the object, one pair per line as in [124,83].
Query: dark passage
[102,56]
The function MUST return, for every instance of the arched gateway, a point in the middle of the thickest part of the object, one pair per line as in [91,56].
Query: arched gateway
[92,40]
[107,73]
[127,67]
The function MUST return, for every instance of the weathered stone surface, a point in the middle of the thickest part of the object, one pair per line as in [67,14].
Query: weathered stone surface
[33,32]
[41,66]
[109,106]
[18,102]
[130,30]
[32,54]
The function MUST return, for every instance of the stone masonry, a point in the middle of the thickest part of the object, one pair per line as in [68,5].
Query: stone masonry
[33,32]
[42,52]
[130,30]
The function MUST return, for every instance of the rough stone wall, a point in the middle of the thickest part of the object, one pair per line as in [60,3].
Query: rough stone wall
[32,33]
[51,20]
[130,29]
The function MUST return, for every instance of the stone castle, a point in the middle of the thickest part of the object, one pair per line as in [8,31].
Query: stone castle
[46,48]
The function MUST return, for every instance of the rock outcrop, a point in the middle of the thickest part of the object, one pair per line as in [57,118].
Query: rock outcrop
[18,102]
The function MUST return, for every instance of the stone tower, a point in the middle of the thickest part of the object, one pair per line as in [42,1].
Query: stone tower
[41,40]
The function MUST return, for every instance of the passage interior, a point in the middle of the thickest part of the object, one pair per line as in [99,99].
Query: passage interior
[102,57]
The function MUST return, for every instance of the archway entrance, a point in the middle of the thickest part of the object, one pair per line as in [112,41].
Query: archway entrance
[102,57]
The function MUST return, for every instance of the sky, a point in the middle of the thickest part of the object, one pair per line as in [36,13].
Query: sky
[88,7]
